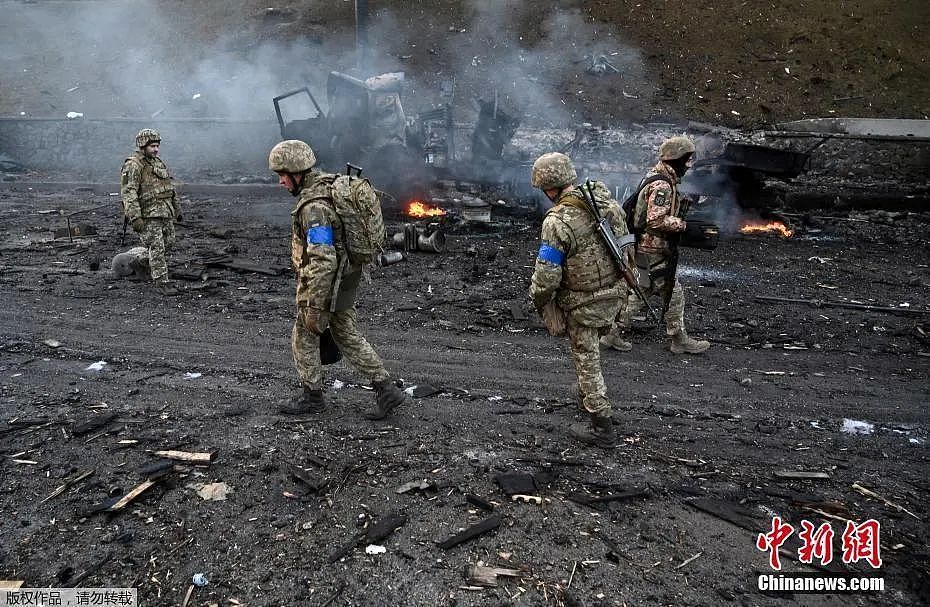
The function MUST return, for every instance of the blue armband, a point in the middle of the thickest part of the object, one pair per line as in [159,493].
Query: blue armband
[320,235]
[551,254]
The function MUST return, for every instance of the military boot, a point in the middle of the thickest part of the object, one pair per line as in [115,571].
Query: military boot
[309,402]
[682,343]
[387,398]
[617,339]
[599,433]
[166,289]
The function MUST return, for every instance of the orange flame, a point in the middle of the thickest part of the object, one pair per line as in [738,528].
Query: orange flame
[417,208]
[764,227]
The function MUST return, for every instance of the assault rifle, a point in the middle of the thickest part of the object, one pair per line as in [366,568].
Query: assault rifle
[618,247]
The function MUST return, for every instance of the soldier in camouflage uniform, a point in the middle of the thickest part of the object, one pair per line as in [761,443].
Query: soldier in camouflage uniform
[576,284]
[326,285]
[661,209]
[150,205]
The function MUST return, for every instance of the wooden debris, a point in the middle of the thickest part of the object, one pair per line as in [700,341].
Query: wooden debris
[479,575]
[117,504]
[69,482]
[474,500]
[587,500]
[11,584]
[688,560]
[377,532]
[88,571]
[241,265]
[841,304]
[732,513]
[187,597]
[478,529]
[93,423]
[872,494]
[800,474]
[185,456]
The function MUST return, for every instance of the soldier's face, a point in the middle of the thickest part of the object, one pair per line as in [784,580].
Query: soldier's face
[151,150]
[288,181]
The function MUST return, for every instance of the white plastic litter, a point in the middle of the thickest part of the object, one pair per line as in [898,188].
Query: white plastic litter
[74,115]
[854,426]
[190,375]
[338,384]
[375,549]
[97,366]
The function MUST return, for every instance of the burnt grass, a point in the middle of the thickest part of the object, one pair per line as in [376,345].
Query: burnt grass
[703,438]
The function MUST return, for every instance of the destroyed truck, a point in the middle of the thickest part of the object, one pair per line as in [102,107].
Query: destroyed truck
[365,126]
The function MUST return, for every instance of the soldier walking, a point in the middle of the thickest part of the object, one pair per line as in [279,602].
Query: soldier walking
[659,212]
[150,205]
[326,285]
[576,285]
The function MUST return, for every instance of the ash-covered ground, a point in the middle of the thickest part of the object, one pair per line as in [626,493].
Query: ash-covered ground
[99,373]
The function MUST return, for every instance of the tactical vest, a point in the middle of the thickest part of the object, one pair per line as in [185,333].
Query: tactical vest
[314,191]
[588,265]
[155,186]
[658,238]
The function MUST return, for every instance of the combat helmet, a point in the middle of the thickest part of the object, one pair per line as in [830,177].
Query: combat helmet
[553,170]
[291,156]
[147,136]
[674,148]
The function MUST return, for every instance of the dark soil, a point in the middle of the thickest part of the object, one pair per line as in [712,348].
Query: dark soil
[498,394]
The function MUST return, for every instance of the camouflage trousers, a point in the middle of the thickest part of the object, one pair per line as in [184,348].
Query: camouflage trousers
[652,268]
[586,355]
[305,346]
[158,238]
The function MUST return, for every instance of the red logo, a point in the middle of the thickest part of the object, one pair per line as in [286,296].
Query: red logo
[860,542]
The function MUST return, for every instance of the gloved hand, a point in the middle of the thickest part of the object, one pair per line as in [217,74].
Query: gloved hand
[553,318]
[310,319]
[138,225]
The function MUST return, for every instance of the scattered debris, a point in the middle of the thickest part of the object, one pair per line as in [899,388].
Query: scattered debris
[480,575]
[852,426]
[69,482]
[184,456]
[374,534]
[872,494]
[93,423]
[374,549]
[474,500]
[476,530]
[213,492]
[797,474]
[820,303]
[116,504]
[513,483]
[97,366]
[689,560]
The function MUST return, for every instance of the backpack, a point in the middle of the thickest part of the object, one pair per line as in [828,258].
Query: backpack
[359,207]
[636,224]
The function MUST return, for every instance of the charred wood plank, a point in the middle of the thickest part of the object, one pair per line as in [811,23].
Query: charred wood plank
[118,503]
[476,530]
[474,500]
[98,421]
[69,482]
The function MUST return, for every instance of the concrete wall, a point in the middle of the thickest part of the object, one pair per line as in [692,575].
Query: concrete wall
[195,149]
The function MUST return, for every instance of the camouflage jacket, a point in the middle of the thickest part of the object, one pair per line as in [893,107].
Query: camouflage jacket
[318,253]
[662,210]
[573,264]
[147,190]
